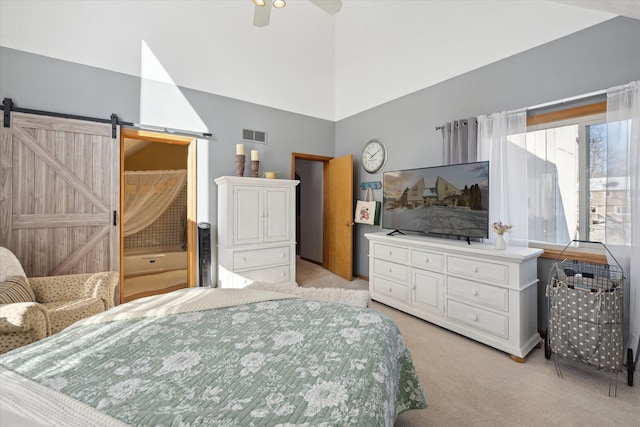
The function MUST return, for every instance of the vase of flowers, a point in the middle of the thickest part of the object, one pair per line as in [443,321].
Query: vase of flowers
[499,228]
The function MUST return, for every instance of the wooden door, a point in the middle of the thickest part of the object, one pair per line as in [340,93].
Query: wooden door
[59,192]
[339,214]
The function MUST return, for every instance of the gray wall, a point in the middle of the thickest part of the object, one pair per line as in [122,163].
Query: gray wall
[43,83]
[594,59]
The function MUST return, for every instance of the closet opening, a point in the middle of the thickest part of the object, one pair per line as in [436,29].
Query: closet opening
[158,210]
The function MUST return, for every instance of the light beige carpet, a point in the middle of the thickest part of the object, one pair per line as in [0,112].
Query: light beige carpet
[471,384]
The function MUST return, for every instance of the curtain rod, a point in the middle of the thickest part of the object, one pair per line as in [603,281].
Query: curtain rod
[8,106]
[552,103]
[565,100]
[464,123]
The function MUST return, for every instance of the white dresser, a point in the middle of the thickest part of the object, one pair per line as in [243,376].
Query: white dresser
[256,231]
[475,290]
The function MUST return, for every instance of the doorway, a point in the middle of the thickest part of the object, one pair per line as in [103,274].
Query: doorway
[326,184]
[158,213]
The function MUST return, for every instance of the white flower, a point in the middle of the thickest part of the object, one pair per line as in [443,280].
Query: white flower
[259,413]
[287,338]
[252,363]
[191,317]
[125,389]
[274,399]
[324,395]
[368,318]
[239,318]
[352,335]
[179,362]
[212,394]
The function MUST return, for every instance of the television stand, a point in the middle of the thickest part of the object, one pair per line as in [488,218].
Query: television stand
[394,232]
[485,294]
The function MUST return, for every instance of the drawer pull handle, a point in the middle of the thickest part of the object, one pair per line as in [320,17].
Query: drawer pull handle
[474,317]
[282,274]
[474,269]
[426,259]
[390,270]
[283,255]
[244,259]
[389,290]
[474,292]
[390,252]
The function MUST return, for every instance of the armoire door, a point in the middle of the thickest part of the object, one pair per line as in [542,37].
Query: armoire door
[59,193]
[277,213]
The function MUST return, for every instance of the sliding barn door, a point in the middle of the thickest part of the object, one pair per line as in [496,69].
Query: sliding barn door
[59,192]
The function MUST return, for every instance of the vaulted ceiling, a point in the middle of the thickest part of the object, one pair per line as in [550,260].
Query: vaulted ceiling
[305,61]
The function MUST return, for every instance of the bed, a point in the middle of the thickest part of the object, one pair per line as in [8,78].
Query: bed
[216,357]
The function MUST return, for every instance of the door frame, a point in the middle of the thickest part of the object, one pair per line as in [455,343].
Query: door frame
[191,193]
[325,196]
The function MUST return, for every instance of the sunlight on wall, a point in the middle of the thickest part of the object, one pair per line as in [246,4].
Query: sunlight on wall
[162,104]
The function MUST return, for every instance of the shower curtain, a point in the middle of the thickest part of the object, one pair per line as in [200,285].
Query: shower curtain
[147,194]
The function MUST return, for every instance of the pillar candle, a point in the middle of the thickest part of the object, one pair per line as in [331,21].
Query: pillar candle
[240,149]
[255,155]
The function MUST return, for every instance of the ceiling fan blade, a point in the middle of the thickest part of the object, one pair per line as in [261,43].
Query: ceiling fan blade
[261,15]
[330,6]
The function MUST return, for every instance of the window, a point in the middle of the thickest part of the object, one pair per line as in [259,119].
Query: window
[568,178]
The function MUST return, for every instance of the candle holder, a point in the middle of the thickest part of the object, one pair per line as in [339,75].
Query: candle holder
[255,165]
[240,164]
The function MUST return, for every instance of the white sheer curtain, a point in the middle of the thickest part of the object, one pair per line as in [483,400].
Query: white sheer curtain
[459,141]
[623,197]
[147,194]
[502,141]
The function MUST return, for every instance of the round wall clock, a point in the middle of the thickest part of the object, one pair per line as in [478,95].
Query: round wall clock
[374,155]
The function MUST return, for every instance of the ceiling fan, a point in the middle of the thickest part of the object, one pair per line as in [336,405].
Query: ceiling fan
[262,9]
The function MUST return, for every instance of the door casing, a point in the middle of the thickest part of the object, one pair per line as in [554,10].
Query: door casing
[191,193]
[337,253]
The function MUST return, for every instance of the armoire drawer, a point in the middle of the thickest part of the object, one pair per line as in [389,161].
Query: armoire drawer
[430,260]
[390,289]
[482,270]
[391,253]
[261,257]
[268,275]
[478,318]
[391,270]
[478,293]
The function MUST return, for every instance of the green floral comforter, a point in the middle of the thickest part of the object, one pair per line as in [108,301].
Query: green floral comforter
[289,362]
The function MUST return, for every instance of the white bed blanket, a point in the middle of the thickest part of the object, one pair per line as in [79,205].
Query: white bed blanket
[26,403]
[183,301]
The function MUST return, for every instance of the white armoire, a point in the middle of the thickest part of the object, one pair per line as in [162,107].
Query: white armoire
[256,231]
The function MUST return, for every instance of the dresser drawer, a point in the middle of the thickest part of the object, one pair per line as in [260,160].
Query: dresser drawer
[391,270]
[391,253]
[261,257]
[478,318]
[268,275]
[497,273]
[390,289]
[487,295]
[422,259]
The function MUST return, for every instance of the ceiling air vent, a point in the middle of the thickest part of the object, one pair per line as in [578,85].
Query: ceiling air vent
[254,136]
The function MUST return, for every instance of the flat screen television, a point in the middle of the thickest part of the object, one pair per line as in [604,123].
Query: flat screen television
[444,200]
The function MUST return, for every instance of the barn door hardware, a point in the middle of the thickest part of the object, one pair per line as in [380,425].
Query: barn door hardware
[114,125]
[7,105]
